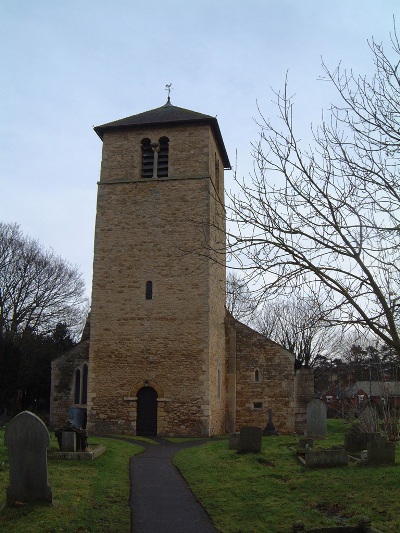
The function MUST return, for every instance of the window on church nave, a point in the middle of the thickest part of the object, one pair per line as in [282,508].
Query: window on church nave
[155,158]
[78,385]
[81,384]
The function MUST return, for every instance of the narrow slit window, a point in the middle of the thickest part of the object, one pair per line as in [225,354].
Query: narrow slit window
[84,384]
[77,386]
[256,375]
[149,290]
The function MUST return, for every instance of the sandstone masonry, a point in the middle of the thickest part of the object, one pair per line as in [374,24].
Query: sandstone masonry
[163,357]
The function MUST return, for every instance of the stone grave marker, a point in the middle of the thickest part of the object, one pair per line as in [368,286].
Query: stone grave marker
[270,428]
[234,439]
[326,458]
[316,419]
[306,443]
[250,439]
[368,419]
[27,439]
[354,441]
[68,441]
[381,452]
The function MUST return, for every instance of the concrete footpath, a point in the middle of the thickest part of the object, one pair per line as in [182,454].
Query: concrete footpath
[161,501]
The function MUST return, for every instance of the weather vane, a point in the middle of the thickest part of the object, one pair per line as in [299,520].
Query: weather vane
[168,88]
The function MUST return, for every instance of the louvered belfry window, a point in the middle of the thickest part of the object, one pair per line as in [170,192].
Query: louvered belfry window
[147,159]
[162,167]
[155,158]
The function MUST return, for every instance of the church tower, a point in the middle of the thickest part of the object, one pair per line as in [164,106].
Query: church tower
[157,340]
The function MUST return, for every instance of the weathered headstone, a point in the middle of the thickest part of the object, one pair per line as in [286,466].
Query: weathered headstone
[68,441]
[306,443]
[381,452]
[355,441]
[269,429]
[27,439]
[316,419]
[368,419]
[326,458]
[250,439]
[234,439]
[77,417]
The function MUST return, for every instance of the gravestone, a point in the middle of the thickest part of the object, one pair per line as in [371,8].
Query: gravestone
[305,443]
[27,439]
[326,458]
[269,429]
[354,441]
[234,439]
[250,440]
[77,417]
[68,441]
[368,419]
[316,419]
[381,452]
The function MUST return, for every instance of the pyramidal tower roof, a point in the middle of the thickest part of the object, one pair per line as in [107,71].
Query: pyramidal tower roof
[170,115]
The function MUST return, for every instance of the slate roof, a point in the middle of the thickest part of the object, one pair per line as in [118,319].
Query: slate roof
[380,388]
[372,388]
[171,115]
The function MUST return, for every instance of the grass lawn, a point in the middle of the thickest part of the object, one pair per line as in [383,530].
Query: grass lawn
[87,495]
[251,493]
[271,490]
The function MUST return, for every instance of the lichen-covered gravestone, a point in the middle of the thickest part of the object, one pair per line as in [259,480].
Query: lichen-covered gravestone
[250,439]
[27,439]
[381,452]
[369,419]
[316,419]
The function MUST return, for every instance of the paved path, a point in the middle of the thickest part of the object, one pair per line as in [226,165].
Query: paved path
[161,500]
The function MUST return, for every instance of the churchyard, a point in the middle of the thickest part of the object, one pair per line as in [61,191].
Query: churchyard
[242,492]
[271,490]
[87,495]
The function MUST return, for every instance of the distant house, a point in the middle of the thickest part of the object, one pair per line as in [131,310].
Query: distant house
[354,396]
[339,399]
[386,392]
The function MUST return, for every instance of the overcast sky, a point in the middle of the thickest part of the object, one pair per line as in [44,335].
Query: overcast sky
[69,65]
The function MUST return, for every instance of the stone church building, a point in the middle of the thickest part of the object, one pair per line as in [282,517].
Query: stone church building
[162,356]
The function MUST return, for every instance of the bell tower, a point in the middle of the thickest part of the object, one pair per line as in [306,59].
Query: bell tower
[157,346]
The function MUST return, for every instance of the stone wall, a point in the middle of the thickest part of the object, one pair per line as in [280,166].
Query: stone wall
[191,152]
[304,393]
[62,382]
[259,358]
[211,374]
[217,287]
[157,230]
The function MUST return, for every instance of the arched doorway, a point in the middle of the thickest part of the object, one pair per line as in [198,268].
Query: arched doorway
[146,421]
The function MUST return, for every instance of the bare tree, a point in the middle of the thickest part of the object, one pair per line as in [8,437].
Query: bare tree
[299,326]
[239,299]
[325,218]
[38,290]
